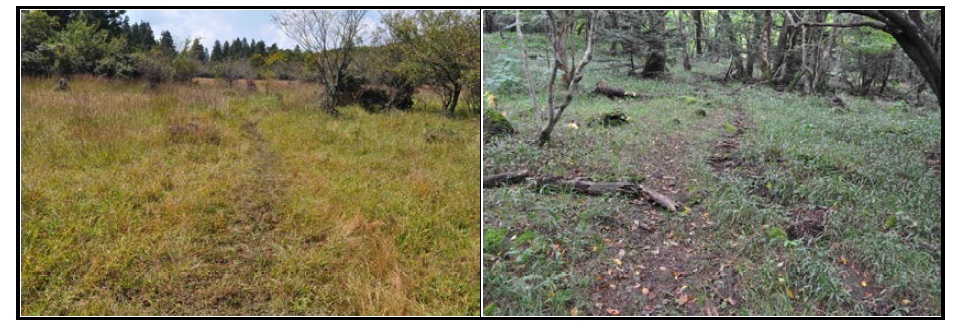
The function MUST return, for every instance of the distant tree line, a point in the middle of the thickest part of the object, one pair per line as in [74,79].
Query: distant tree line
[438,49]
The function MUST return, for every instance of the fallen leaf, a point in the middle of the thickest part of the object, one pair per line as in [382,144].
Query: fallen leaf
[710,309]
[593,248]
[682,300]
[662,268]
[618,262]
[613,312]
[905,301]
[656,252]
[574,311]
[789,293]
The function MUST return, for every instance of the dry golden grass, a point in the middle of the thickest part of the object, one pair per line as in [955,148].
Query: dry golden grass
[204,200]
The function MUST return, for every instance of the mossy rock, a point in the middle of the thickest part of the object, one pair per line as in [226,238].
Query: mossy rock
[495,124]
[610,119]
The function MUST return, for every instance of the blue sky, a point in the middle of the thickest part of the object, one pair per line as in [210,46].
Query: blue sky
[211,25]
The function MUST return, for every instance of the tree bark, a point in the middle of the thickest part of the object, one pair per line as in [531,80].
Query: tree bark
[506,178]
[699,22]
[765,62]
[739,71]
[656,64]
[683,40]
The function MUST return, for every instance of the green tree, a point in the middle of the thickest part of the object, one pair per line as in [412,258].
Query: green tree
[166,44]
[77,48]
[226,51]
[216,52]
[36,27]
[139,36]
[197,51]
[440,47]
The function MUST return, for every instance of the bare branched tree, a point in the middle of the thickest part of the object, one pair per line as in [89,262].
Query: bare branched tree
[561,23]
[332,35]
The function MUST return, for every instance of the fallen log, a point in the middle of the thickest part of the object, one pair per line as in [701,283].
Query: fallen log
[610,92]
[580,185]
[659,199]
[587,187]
[506,178]
[593,188]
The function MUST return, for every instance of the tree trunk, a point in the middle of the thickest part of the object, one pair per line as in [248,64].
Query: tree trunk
[739,71]
[886,72]
[765,62]
[656,64]
[699,22]
[752,43]
[614,26]
[491,24]
[683,40]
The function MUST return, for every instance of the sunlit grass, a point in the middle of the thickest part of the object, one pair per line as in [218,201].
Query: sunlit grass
[203,200]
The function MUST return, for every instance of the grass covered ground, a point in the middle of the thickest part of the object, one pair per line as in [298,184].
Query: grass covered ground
[205,200]
[791,206]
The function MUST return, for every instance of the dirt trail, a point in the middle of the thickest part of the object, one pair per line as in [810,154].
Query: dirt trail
[239,264]
[661,263]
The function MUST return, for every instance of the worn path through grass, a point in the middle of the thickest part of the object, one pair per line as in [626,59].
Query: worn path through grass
[790,206]
[210,200]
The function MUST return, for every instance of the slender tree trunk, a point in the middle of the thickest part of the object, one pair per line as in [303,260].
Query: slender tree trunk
[527,72]
[887,71]
[752,40]
[765,62]
[683,40]
[699,22]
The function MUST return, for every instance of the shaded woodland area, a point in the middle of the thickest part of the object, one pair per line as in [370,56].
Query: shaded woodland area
[889,54]
[712,162]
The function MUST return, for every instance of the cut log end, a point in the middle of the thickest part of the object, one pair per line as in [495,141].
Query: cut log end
[660,199]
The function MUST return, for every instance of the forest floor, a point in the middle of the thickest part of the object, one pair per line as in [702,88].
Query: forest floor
[790,206]
[208,200]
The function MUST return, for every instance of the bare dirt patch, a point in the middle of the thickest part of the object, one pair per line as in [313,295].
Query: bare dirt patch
[724,155]
[934,160]
[806,222]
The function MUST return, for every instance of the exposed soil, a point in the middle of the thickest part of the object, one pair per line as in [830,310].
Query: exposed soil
[857,281]
[806,223]
[724,155]
[658,263]
[934,160]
